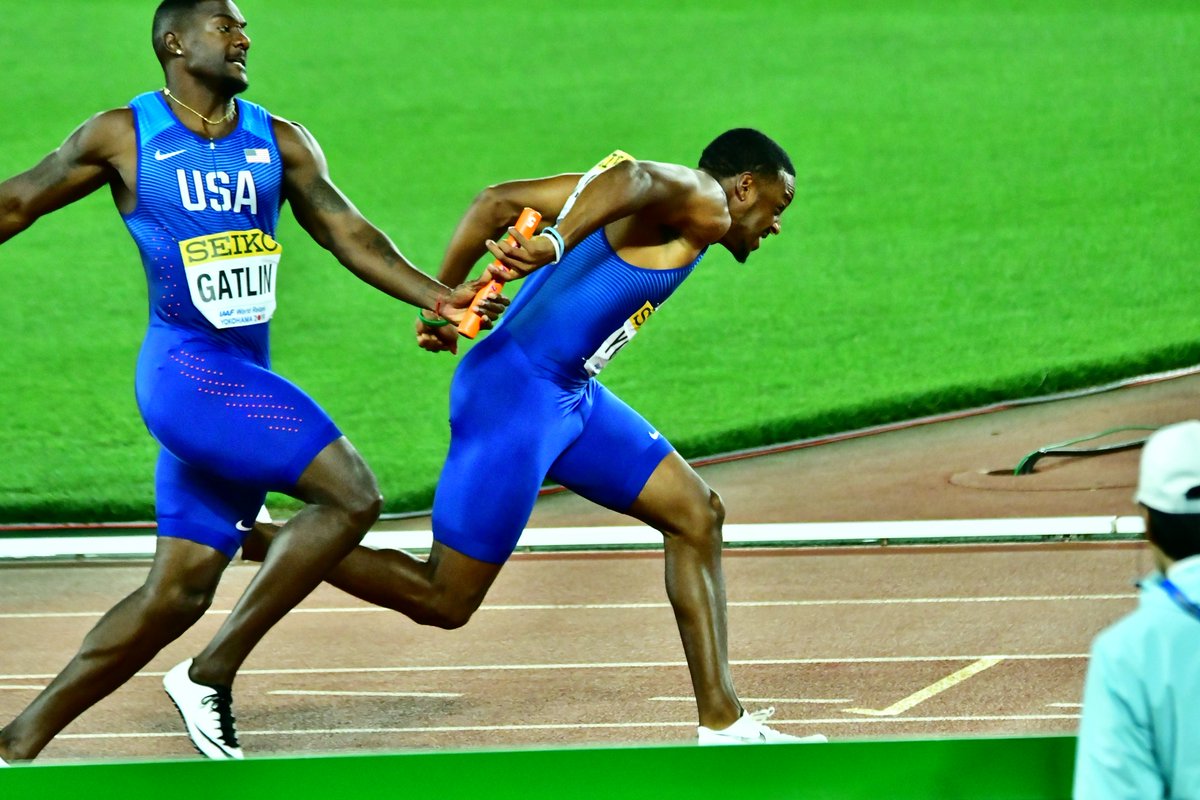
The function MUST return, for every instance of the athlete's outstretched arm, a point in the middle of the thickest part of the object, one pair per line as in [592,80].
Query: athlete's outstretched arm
[677,197]
[335,224]
[78,167]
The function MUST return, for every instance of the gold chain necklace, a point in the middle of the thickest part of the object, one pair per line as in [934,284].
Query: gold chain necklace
[228,114]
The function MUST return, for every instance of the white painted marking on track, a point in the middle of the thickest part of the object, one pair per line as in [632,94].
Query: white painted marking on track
[867,601]
[1065,705]
[584,726]
[936,688]
[774,533]
[330,693]
[743,662]
[815,701]
[22,687]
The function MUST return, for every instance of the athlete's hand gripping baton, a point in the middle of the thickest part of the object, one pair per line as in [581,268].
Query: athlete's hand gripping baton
[526,223]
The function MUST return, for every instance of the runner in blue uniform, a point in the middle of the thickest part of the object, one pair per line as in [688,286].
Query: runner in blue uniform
[199,177]
[525,404]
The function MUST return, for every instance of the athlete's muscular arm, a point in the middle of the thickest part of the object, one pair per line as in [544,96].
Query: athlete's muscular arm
[489,215]
[91,157]
[493,211]
[670,196]
[335,224]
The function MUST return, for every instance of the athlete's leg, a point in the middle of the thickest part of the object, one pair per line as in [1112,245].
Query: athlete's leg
[343,501]
[485,494]
[247,429]
[677,502]
[447,588]
[443,590]
[621,462]
[176,593]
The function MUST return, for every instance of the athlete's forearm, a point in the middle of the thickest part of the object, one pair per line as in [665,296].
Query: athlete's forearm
[490,213]
[374,259]
[494,210]
[79,166]
[336,225]
[13,216]
[27,197]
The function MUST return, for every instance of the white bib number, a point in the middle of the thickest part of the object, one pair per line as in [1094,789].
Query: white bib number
[617,340]
[231,276]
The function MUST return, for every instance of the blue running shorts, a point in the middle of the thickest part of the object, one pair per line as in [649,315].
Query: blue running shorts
[511,427]
[230,430]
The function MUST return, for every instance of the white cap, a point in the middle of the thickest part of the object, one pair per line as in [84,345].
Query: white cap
[1169,480]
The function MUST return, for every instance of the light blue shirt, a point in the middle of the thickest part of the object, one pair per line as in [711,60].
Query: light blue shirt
[1139,736]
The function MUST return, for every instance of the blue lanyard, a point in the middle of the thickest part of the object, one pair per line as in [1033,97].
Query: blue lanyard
[1180,598]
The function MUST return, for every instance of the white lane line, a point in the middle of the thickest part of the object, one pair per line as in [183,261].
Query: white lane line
[774,533]
[584,726]
[324,693]
[772,700]
[892,601]
[936,688]
[18,686]
[1065,705]
[767,662]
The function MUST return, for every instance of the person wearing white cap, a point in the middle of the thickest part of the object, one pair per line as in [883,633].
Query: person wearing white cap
[1139,736]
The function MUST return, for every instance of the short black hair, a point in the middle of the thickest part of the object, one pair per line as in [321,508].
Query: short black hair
[1177,535]
[166,17]
[745,150]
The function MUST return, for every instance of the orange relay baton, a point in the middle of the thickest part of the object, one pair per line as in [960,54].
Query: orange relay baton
[526,223]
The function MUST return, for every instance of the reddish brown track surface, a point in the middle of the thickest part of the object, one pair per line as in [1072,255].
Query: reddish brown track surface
[854,641]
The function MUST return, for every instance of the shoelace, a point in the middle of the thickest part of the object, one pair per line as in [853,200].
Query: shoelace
[763,715]
[221,702]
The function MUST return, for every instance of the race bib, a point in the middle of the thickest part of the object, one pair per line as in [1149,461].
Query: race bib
[231,276]
[617,340]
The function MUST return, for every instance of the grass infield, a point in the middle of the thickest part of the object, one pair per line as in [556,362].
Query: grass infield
[995,200]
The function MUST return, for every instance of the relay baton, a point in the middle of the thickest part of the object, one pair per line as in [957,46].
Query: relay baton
[526,223]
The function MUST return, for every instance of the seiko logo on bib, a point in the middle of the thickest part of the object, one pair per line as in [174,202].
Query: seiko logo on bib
[231,276]
[217,191]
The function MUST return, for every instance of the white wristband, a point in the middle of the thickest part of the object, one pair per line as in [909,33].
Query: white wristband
[557,240]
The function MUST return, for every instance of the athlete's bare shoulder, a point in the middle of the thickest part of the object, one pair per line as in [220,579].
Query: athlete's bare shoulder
[701,186]
[296,144]
[307,185]
[102,150]
[107,137]
[697,203]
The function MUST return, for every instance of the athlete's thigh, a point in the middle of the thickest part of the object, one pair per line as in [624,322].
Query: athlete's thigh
[675,499]
[506,428]
[199,506]
[614,456]
[225,415]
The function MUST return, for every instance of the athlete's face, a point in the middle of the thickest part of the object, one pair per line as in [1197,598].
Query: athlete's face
[215,44]
[757,205]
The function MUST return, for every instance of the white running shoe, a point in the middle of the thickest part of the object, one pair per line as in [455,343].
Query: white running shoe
[750,729]
[207,712]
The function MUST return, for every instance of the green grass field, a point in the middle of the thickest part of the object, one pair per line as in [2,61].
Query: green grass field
[997,198]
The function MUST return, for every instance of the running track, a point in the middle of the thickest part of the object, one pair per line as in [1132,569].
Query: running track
[572,648]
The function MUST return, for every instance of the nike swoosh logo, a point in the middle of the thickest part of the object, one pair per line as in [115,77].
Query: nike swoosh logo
[238,525]
[654,434]
[159,155]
